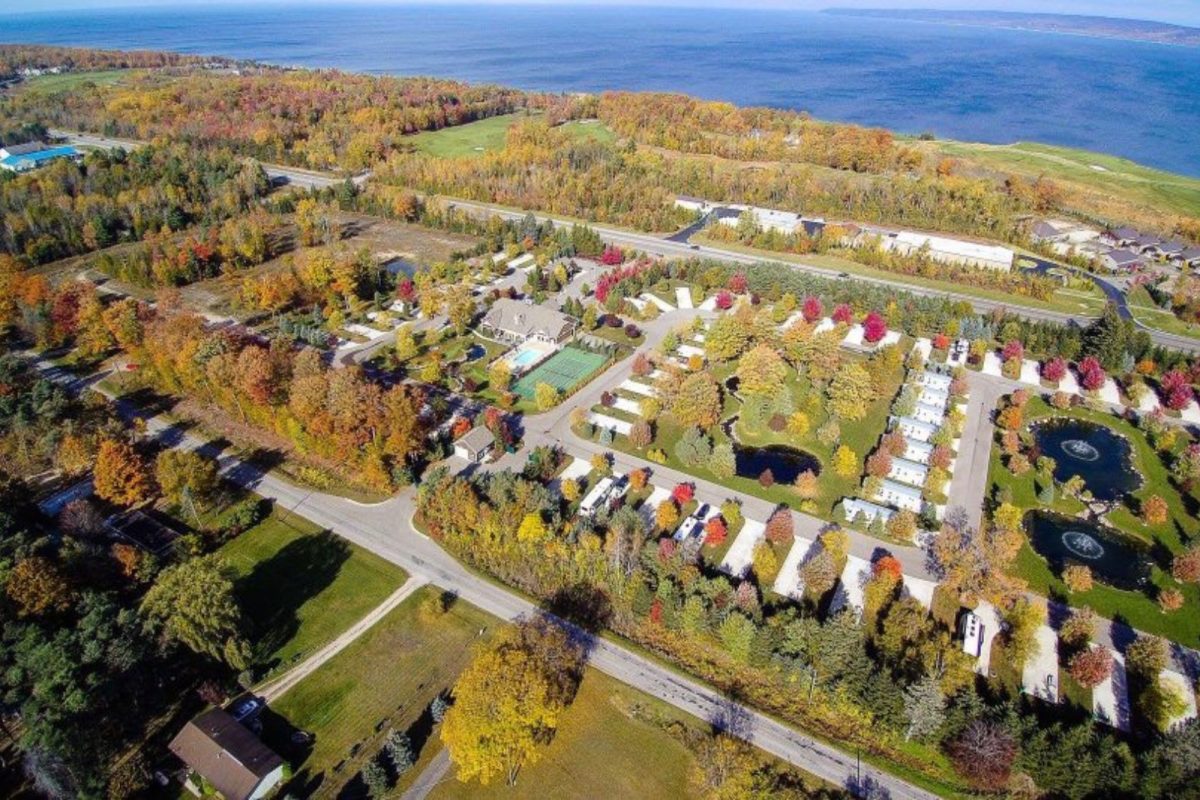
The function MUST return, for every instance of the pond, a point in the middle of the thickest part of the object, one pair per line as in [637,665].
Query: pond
[786,463]
[1093,452]
[1113,558]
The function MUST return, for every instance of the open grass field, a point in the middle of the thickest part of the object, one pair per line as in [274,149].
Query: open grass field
[302,586]
[485,135]
[69,81]
[1139,609]
[1094,173]
[384,680]
[564,371]
[1150,314]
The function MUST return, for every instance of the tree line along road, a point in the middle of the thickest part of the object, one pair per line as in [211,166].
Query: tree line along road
[660,246]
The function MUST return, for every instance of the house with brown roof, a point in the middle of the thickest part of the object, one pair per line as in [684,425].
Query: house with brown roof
[228,756]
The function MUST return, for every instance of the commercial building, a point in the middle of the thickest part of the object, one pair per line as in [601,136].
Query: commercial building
[949,251]
[30,156]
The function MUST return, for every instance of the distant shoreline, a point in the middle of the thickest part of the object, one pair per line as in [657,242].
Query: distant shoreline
[1110,28]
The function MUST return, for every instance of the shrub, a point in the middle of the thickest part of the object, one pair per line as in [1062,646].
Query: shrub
[1170,600]
[1091,667]
[1061,400]
[766,478]
[1078,578]
[778,423]
[1185,567]
[1154,510]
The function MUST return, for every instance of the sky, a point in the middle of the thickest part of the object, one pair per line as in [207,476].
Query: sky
[1183,12]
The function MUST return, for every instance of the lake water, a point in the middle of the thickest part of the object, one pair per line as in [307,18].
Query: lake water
[1132,99]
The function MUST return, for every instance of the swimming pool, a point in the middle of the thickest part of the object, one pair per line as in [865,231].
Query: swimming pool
[523,358]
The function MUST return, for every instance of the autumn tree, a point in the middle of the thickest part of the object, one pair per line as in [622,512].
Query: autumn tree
[509,700]
[781,528]
[186,474]
[545,396]
[845,462]
[984,754]
[120,474]
[697,403]
[760,372]
[37,586]
[851,391]
[666,516]
[1091,667]
[1185,566]
[193,603]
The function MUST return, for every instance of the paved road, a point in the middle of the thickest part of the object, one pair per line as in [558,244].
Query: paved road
[291,176]
[434,773]
[671,246]
[386,529]
[668,248]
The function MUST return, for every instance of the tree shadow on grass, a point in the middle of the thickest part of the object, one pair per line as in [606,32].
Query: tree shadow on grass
[272,591]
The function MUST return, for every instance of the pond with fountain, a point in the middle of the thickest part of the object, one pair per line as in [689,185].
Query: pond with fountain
[1094,452]
[1114,559]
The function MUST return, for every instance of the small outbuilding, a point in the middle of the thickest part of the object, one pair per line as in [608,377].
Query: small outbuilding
[228,756]
[475,445]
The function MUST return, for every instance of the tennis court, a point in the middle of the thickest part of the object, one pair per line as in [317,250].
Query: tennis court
[564,371]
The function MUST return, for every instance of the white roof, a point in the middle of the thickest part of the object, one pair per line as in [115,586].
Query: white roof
[957,247]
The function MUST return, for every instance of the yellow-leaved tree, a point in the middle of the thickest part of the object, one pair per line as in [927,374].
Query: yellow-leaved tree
[509,700]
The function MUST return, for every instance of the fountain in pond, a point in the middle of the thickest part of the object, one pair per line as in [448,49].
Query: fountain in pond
[1112,557]
[1093,452]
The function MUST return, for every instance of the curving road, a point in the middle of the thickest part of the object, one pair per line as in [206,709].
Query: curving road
[386,529]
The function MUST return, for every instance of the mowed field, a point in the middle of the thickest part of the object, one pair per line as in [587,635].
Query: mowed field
[477,138]
[68,81]
[1118,178]
[300,587]
[384,680]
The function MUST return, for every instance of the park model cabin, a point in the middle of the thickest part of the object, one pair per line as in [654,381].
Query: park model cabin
[864,512]
[907,498]
[228,756]
[909,472]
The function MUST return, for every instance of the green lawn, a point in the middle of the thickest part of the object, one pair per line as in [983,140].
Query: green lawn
[1151,315]
[301,586]
[1139,609]
[1147,186]
[486,135]
[384,680]
[861,437]
[70,81]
